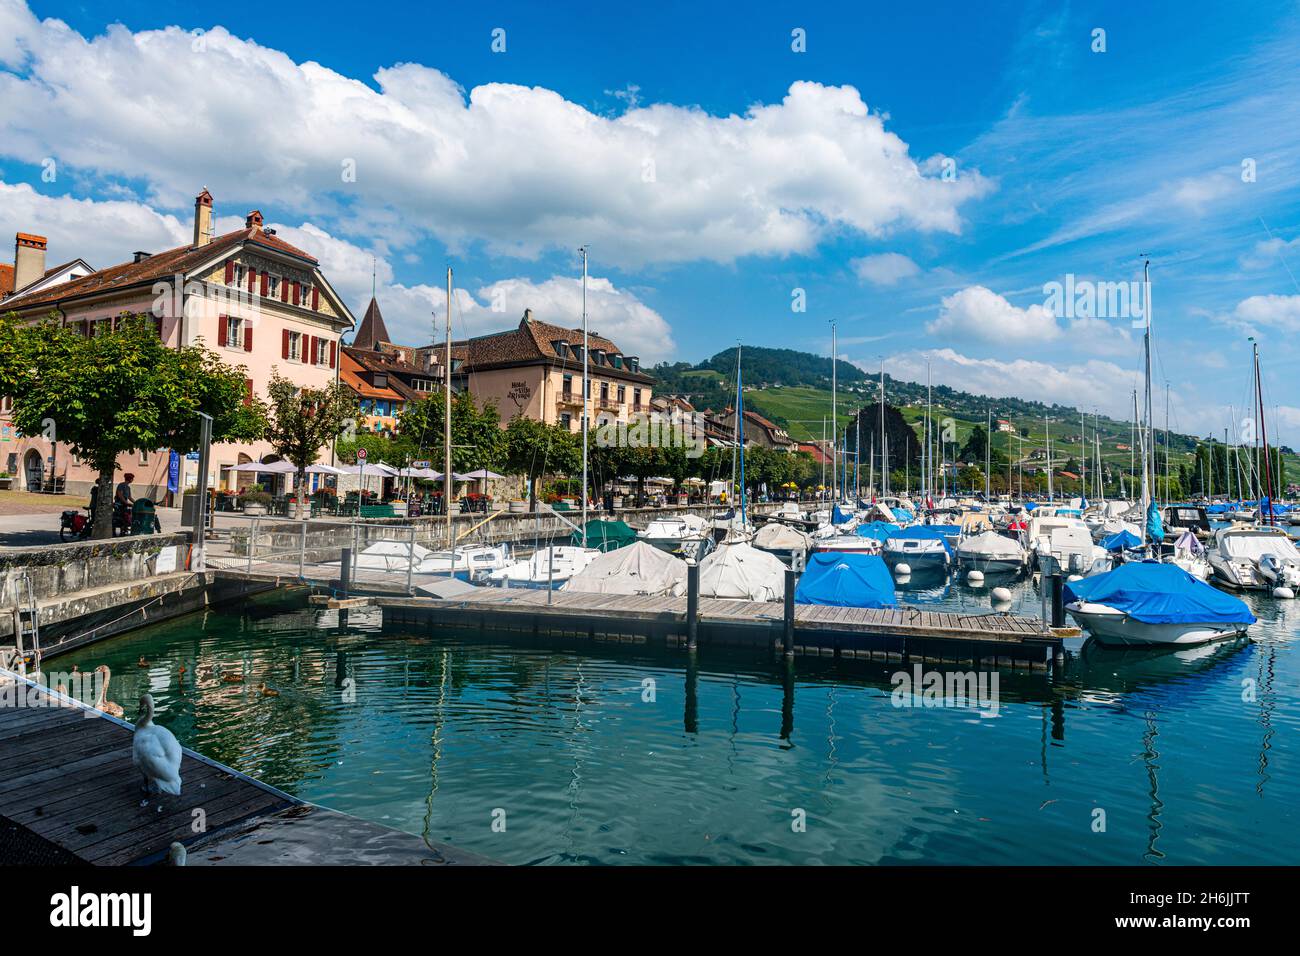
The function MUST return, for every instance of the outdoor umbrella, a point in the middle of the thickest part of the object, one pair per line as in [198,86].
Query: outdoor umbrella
[267,468]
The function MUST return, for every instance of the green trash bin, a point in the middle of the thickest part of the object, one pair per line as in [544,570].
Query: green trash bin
[144,517]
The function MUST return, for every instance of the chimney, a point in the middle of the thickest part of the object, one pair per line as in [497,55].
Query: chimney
[202,218]
[29,259]
[528,315]
[141,256]
[253,220]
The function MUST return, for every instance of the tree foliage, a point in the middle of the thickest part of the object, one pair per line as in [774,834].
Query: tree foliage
[302,421]
[118,392]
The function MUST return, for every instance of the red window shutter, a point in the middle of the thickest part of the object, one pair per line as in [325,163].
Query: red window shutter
[221,331]
[315,297]
[248,336]
[266,281]
[230,271]
[296,293]
[284,290]
[248,392]
[284,343]
[252,279]
[332,344]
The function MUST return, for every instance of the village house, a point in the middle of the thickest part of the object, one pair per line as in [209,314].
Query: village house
[253,298]
[382,376]
[535,370]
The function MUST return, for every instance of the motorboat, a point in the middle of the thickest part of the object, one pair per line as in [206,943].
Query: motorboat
[742,572]
[1152,603]
[782,540]
[991,552]
[546,568]
[671,533]
[1255,558]
[1189,554]
[1067,541]
[471,563]
[919,547]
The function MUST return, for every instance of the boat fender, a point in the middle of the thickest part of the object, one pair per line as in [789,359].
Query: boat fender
[975,577]
[1074,577]
[1002,595]
[1283,592]
[903,569]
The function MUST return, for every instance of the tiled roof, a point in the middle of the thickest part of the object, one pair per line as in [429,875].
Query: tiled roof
[157,266]
[394,367]
[6,279]
[531,342]
[372,330]
[350,374]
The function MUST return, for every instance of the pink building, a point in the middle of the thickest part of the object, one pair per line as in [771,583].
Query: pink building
[248,295]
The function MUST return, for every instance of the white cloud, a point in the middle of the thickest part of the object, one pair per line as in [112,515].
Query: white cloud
[103,233]
[1273,311]
[1268,253]
[106,233]
[887,268]
[980,314]
[519,168]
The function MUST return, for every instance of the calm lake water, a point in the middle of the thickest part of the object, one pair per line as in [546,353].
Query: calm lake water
[623,755]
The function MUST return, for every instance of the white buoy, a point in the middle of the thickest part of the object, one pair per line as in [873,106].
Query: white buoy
[1283,592]
[903,569]
[1002,595]
[975,577]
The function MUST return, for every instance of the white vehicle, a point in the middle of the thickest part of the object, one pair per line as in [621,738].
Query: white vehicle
[991,552]
[470,563]
[1255,558]
[669,534]
[920,554]
[1067,541]
[546,568]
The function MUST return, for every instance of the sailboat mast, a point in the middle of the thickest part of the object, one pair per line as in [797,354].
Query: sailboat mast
[1268,469]
[586,395]
[446,421]
[1047,429]
[835,428]
[740,432]
[884,448]
[1146,349]
[988,455]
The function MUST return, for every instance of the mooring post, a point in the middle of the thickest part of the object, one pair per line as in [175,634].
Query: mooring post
[302,550]
[791,580]
[345,571]
[692,604]
[410,562]
[1058,608]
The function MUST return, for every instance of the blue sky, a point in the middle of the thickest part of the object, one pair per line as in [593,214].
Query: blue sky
[772,170]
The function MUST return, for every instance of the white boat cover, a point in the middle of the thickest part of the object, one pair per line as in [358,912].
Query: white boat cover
[677,526]
[391,556]
[781,537]
[639,568]
[990,544]
[743,572]
[1252,547]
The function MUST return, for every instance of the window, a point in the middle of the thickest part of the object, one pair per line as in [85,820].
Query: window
[636,397]
[144,457]
[322,353]
[616,361]
[273,287]
[234,332]
[604,391]
[566,420]
[568,386]
[561,348]
[622,394]
[295,346]
[241,273]
[381,380]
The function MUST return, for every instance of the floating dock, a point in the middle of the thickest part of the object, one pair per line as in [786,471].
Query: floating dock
[71,795]
[893,634]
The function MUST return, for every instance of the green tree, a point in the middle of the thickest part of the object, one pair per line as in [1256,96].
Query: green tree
[119,392]
[477,439]
[302,421]
[534,449]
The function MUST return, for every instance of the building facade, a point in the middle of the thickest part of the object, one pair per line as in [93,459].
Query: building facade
[535,370]
[253,298]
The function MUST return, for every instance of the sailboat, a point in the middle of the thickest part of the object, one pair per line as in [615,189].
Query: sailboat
[733,525]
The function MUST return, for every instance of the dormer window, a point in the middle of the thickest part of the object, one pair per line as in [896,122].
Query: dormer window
[598,356]
[561,348]
[616,361]
[633,363]
[381,380]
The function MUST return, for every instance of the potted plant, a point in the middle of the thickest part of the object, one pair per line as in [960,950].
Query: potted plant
[254,501]
[6,481]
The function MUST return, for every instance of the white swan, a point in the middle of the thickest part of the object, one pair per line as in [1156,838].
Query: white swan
[156,752]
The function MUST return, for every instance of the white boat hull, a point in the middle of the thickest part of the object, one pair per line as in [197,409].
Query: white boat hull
[1111,626]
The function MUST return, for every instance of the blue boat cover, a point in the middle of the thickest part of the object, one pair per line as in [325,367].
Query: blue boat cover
[880,530]
[845,579]
[838,516]
[1031,505]
[902,514]
[1160,594]
[1155,529]
[1121,540]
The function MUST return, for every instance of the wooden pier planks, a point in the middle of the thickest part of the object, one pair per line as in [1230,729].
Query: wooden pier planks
[68,777]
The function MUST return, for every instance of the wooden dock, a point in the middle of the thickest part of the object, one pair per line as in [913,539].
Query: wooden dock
[70,794]
[894,634]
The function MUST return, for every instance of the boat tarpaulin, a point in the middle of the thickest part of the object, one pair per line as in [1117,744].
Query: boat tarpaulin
[639,568]
[880,530]
[605,535]
[738,570]
[1159,594]
[1121,541]
[1155,528]
[846,579]
[929,532]
[839,517]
